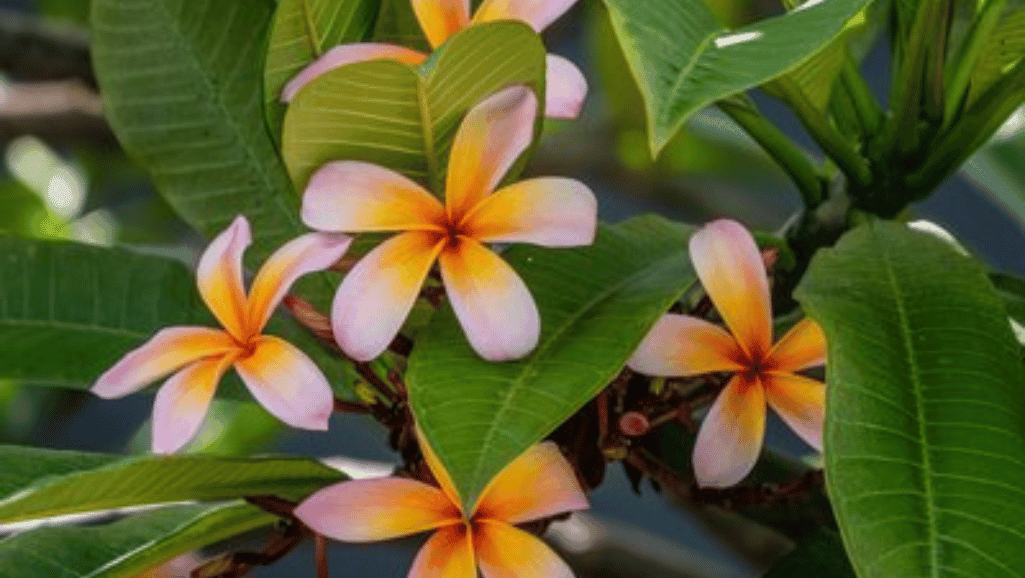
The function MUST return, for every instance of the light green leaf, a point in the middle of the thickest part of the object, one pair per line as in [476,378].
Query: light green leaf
[182,86]
[924,431]
[1004,47]
[596,305]
[24,466]
[388,114]
[127,547]
[684,59]
[62,489]
[302,30]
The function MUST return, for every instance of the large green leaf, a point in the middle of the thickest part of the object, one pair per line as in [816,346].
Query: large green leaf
[182,86]
[301,32]
[388,113]
[924,432]
[24,466]
[127,547]
[64,489]
[684,59]
[596,305]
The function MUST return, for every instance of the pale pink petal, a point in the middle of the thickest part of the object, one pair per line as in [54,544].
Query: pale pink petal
[302,255]
[682,345]
[168,350]
[800,402]
[287,383]
[437,469]
[219,276]
[490,139]
[494,307]
[802,347]
[538,484]
[733,274]
[548,211]
[440,19]
[446,554]
[183,400]
[353,196]
[347,54]
[730,438]
[504,551]
[565,88]
[375,297]
[538,13]
[377,509]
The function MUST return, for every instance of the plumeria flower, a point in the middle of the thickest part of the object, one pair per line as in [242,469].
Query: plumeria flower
[280,376]
[730,438]
[537,485]
[440,19]
[492,303]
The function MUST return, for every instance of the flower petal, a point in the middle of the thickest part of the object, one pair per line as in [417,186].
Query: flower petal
[730,438]
[440,19]
[302,255]
[538,13]
[565,88]
[446,554]
[732,272]
[504,551]
[538,484]
[488,142]
[682,345]
[802,347]
[377,294]
[493,305]
[287,383]
[353,196]
[219,276]
[800,402]
[168,350]
[347,54]
[437,469]
[183,400]
[377,509]
[548,211]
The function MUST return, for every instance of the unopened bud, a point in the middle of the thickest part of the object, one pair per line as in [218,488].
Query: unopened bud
[634,424]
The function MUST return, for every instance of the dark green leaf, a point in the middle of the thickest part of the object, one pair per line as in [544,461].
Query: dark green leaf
[24,466]
[820,555]
[79,485]
[127,547]
[397,24]
[386,113]
[301,32]
[684,59]
[596,305]
[924,431]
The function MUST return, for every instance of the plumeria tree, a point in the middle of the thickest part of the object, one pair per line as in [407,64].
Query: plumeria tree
[389,219]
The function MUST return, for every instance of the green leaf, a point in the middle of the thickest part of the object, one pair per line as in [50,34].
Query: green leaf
[684,59]
[924,433]
[301,32]
[397,24]
[24,466]
[1004,47]
[387,113]
[596,305]
[127,547]
[996,168]
[820,555]
[62,489]
[182,86]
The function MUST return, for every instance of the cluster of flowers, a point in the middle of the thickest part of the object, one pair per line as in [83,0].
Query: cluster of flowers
[493,305]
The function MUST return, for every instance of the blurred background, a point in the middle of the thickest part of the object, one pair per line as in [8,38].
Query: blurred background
[64,176]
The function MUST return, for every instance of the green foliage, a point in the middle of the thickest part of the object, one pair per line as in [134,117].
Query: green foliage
[1003,48]
[821,555]
[924,433]
[301,32]
[998,170]
[684,59]
[182,86]
[397,24]
[127,547]
[389,114]
[73,483]
[596,305]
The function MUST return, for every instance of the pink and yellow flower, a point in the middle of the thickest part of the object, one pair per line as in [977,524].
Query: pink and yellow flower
[493,305]
[730,438]
[280,376]
[440,19]
[539,484]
